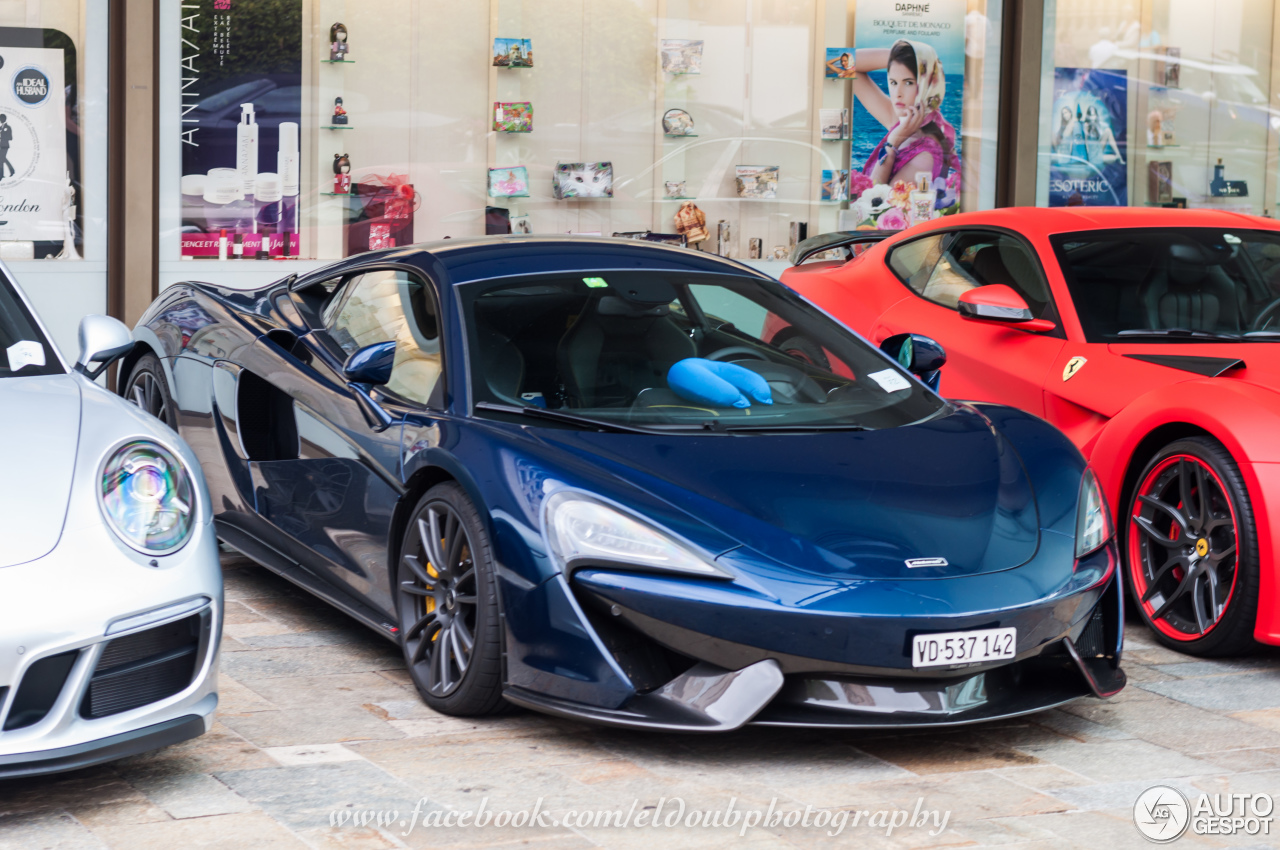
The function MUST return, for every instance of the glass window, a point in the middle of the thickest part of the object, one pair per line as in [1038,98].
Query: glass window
[1174,285]
[390,305]
[737,127]
[602,347]
[1165,103]
[23,348]
[913,261]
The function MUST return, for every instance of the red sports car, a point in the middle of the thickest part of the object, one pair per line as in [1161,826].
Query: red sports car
[1150,337]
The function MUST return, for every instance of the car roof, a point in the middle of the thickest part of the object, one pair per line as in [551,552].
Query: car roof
[1046,221]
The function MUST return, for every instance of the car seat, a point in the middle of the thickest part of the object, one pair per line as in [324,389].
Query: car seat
[1190,290]
[617,348]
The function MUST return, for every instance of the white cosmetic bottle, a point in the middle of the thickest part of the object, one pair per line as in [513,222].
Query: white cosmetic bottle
[247,148]
[288,167]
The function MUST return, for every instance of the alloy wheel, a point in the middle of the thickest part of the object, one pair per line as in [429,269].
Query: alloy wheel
[145,392]
[438,584]
[1183,547]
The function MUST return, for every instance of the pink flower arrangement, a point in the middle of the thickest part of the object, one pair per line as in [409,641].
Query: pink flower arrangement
[858,183]
[892,219]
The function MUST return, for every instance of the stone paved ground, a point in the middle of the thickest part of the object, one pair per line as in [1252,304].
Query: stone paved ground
[317,717]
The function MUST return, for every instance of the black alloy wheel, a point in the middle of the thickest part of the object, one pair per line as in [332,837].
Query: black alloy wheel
[446,599]
[1192,550]
[148,389]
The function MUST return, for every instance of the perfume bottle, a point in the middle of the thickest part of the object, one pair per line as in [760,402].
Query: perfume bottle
[287,166]
[247,147]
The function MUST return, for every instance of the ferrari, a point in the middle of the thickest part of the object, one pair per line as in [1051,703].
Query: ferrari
[110,587]
[1147,336]
[569,474]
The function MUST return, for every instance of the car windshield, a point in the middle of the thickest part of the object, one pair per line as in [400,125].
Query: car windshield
[24,350]
[1174,284]
[597,348]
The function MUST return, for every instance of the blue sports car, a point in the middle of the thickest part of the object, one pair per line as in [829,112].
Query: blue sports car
[569,474]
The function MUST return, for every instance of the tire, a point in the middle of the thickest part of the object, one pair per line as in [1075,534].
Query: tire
[803,349]
[148,389]
[1191,565]
[450,629]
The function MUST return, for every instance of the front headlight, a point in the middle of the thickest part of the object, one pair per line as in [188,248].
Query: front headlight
[147,497]
[1093,519]
[580,529]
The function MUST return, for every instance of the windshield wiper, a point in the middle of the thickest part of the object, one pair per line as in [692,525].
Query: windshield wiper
[782,427]
[560,416]
[1181,333]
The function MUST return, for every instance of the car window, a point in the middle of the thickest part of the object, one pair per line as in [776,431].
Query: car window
[24,350]
[602,345]
[1174,284]
[913,262]
[982,258]
[389,305]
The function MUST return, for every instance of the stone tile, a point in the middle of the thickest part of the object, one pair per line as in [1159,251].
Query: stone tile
[235,698]
[1043,777]
[315,796]
[1176,725]
[101,784]
[348,838]
[1084,720]
[1153,655]
[1118,761]
[185,794]
[253,582]
[317,638]
[293,662]
[235,613]
[313,754]
[1115,795]
[304,614]
[55,830]
[967,796]
[1192,669]
[219,832]
[325,724]
[218,749]
[351,689]
[261,627]
[953,753]
[93,814]
[1234,693]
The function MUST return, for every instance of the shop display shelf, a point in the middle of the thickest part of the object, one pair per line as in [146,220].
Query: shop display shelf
[680,135]
[336,127]
[839,139]
[679,198]
[337,61]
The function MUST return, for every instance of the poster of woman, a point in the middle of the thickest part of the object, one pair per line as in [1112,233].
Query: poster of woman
[909,95]
[1088,144]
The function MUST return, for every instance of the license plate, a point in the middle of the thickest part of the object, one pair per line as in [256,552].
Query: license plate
[973,647]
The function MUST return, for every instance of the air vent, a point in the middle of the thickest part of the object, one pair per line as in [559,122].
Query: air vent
[39,690]
[144,667]
[1093,641]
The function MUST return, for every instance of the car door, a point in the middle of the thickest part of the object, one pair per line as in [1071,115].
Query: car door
[986,361]
[332,480]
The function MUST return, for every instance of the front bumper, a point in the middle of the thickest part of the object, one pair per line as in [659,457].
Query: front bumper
[103,655]
[1069,647]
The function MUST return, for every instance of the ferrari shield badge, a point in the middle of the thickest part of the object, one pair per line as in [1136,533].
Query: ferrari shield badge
[1075,364]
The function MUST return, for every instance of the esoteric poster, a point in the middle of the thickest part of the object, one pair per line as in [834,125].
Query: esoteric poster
[1088,144]
[909,94]
[34,181]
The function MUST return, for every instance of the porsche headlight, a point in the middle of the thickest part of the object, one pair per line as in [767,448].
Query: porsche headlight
[582,529]
[147,497]
[1093,519]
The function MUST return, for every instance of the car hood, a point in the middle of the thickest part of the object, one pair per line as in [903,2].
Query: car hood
[39,433]
[855,505]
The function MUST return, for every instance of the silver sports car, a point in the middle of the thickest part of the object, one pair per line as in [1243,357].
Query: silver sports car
[110,589]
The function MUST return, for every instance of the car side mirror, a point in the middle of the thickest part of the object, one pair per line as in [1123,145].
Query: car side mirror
[919,355]
[999,303]
[103,340]
[367,368]
[371,365]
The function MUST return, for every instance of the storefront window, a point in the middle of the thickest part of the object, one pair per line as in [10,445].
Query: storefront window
[303,131]
[1158,103]
[53,72]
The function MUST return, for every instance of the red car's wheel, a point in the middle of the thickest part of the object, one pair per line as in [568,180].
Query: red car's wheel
[1192,550]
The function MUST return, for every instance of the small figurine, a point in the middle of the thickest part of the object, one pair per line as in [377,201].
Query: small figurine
[691,223]
[339,114]
[338,46]
[341,174]
[68,251]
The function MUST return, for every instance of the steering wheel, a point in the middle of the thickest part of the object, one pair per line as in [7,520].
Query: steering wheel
[736,351]
[1260,322]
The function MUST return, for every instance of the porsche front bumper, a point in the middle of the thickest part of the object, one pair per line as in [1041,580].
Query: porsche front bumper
[105,652]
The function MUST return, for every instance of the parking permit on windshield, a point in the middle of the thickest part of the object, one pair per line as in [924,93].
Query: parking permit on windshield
[890,381]
[25,352]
